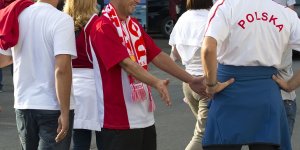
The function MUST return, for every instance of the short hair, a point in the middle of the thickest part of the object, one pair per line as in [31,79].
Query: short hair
[199,4]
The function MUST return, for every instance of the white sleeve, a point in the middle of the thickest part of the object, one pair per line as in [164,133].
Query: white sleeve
[6,52]
[218,21]
[64,37]
[290,2]
[294,41]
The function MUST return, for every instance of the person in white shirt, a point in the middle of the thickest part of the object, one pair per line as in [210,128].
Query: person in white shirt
[245,42]
[186,39]
[286,72]
[43,76]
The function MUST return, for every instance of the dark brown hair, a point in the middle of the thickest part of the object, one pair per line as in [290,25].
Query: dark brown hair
[198,4]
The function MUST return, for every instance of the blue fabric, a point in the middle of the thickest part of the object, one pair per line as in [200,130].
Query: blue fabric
[249,111]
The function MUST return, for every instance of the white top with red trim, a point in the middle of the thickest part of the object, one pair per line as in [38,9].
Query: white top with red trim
[118,110]
[44,33]
[253,33]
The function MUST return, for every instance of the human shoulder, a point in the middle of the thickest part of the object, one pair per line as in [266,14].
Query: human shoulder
[103,24]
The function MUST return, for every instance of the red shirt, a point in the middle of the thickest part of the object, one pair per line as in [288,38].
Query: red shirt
[83,46]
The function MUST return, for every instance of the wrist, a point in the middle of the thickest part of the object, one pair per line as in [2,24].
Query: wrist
[211,85]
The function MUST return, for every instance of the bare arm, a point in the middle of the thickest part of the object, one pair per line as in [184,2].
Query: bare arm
[144,76]
[291,84]
[165,63]
[63,81]
[5,60]
[209,62]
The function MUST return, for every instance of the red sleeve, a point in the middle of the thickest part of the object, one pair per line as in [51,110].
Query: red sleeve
[107,44]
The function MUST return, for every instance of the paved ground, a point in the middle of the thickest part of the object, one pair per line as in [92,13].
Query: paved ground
[174,124]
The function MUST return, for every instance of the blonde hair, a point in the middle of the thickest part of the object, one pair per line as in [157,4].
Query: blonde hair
[81,11]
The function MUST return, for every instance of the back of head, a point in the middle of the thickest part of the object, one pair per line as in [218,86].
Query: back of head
[198,4]
[81,11]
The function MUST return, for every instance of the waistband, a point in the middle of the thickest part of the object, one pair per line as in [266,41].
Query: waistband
[245,72]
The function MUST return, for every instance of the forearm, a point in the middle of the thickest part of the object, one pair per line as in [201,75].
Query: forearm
[294,82]
[138,72]
[5,60]
[209,60]
[63,83]
[165,63]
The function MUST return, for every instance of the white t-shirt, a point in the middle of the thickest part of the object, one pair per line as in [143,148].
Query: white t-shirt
[187,35]
[44,33]
[253,33]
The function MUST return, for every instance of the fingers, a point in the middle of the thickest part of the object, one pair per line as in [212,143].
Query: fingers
[228,82]
[277,79]
[62,129]
[162,88]
[282,83]
[224,85]
[61,135]
[166,96]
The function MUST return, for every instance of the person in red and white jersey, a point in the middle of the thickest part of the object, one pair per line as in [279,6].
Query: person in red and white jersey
[121,52]
[245,42]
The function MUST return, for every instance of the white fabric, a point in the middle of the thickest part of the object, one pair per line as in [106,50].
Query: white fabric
[44,33]
[187,36]
[87,106]
[99,85]
[285,2]
[6,52]
[87,112]
[226,22]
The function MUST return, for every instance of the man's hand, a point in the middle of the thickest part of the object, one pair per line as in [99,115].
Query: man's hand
[63,127]
[162,87]
[282,83]
[198,86]
[219,86]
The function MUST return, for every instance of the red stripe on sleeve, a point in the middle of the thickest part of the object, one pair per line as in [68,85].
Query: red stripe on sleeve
[213,16]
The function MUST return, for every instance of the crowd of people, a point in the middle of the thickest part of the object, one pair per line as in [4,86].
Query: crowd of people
[78,71]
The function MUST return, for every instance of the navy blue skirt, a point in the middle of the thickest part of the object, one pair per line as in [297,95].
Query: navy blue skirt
[250,111]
